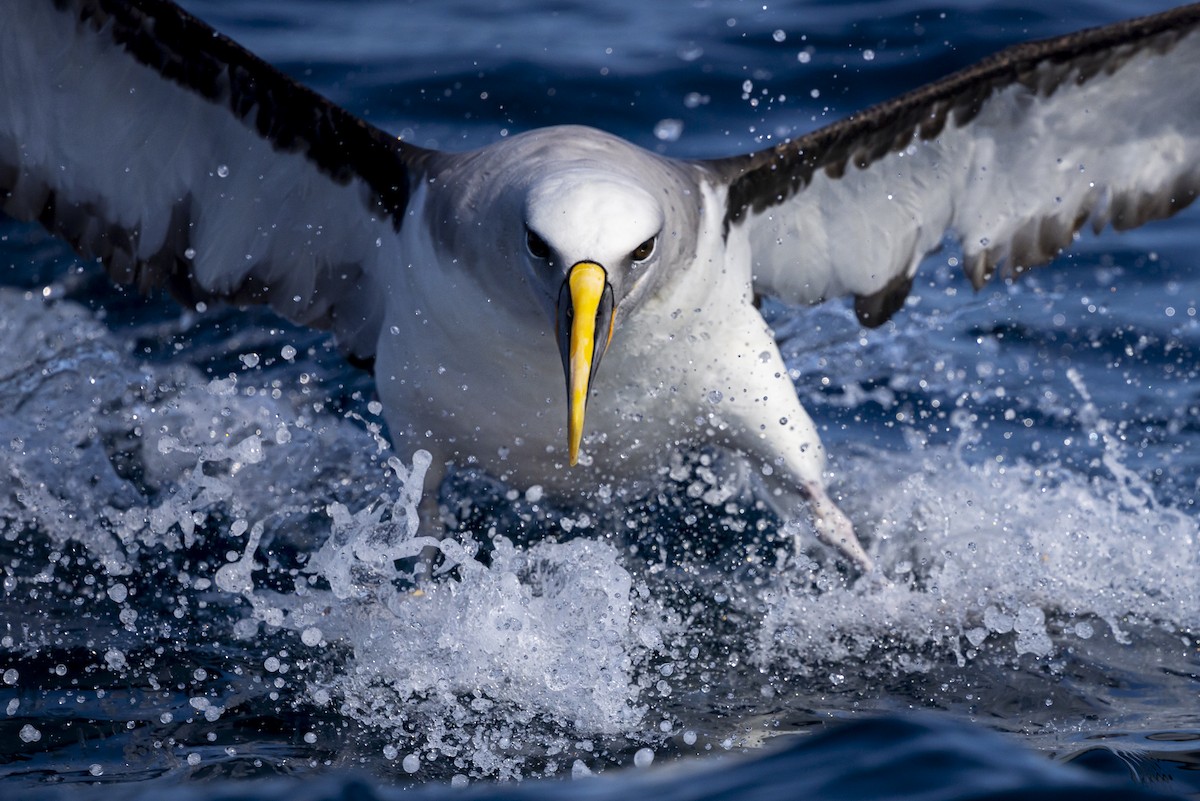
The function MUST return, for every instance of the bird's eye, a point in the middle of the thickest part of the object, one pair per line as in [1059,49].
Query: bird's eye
[644,250]
[536,245]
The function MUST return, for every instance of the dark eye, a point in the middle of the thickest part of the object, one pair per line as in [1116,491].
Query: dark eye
[644,250]
[537,246]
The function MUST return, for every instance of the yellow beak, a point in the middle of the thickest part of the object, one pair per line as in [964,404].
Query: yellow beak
[585,306]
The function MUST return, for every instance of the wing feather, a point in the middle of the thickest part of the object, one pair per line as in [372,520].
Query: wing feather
[155,144]
[1013,156]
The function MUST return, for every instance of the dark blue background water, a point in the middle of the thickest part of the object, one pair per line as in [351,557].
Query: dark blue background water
[1022,461]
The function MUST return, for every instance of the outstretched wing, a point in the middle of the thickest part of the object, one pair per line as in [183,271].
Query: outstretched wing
[1013,155]
[152,142]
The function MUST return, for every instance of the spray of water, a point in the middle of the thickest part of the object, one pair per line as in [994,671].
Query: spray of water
[514,658]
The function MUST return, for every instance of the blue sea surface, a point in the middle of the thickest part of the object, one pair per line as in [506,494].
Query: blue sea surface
[190,499]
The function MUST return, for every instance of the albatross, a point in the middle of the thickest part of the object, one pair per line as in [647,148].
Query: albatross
[561,307]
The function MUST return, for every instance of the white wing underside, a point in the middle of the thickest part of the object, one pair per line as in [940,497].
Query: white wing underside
[1012,185]
[156,180]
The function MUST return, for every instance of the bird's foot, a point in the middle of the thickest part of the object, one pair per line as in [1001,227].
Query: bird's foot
[835,529]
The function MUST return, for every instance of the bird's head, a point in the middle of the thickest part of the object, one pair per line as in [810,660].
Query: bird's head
[568,228]
[593,241]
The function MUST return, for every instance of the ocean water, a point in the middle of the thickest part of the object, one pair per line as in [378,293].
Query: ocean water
[201,521]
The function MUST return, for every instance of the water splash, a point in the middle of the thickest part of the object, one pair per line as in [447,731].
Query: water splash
[1028,555]
[213,509]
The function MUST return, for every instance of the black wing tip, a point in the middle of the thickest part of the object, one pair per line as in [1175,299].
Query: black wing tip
[877,308]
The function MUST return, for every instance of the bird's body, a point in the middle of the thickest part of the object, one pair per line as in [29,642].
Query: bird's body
[455,382]
[477,282]
[440,364]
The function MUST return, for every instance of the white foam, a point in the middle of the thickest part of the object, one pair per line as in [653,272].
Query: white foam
[550,630]
[992,550]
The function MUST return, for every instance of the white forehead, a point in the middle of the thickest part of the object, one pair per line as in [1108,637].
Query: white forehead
[588,213]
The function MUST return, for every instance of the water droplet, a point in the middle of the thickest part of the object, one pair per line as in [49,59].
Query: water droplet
[643,757]
[115,659]
[715,396]
[223,170]
[668,130]
[411,763]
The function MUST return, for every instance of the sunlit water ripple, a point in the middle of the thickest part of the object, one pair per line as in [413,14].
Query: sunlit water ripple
[201,521]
